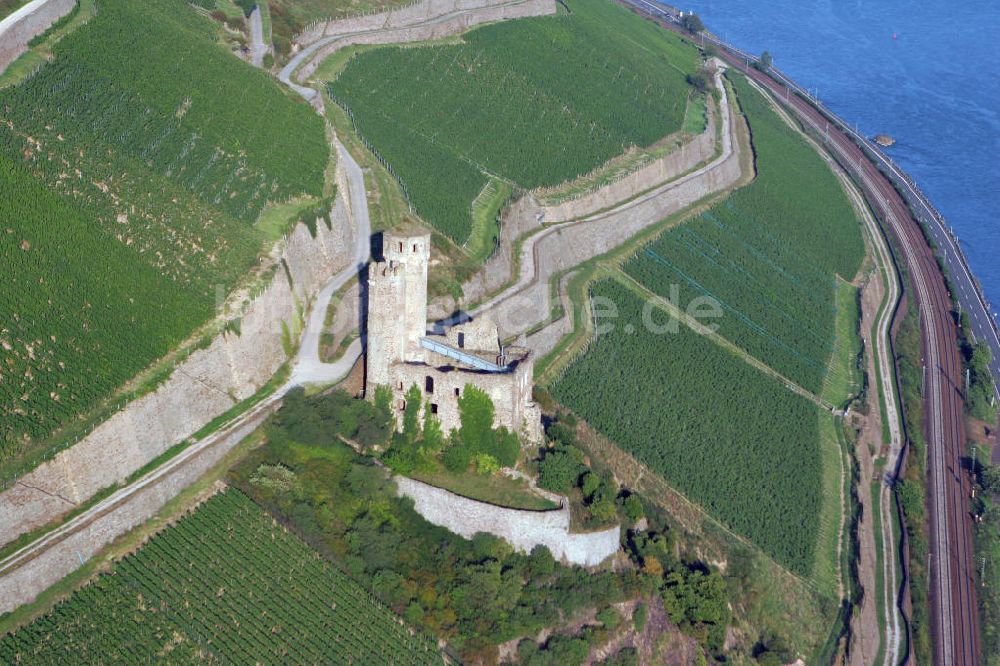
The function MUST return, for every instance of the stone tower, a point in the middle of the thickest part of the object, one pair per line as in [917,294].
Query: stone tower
[397,292]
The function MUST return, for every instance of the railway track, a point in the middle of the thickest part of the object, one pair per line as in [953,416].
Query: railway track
[955,627]
[952,573]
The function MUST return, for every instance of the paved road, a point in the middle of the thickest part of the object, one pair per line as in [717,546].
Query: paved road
[309,369]
[257,46]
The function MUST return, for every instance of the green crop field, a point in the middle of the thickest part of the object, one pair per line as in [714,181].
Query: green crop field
[226,584]
[536,101]
[132,169]
[769,254]
[728,436]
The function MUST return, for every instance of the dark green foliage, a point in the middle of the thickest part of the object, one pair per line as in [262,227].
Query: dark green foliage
[246,5]
[537,101]
[624,657]
[474,594]
[228,585]
[692,23]
[155,151]
[319,420]
[768,254]
[559,471]
[754,464]
[558,650]
[977,356]
[475,409]
[633,507]
[433,435]
[695,601]
[411,415]
[773,651]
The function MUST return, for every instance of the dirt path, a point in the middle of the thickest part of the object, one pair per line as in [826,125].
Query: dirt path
[257,46]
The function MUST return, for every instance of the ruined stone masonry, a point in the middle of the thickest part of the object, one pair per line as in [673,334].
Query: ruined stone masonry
[401,353]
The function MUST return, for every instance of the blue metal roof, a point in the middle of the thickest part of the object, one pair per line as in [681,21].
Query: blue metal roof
[462,357]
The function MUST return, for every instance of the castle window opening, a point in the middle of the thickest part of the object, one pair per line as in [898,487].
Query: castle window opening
[401,246]
[458,392]
[461,340]
[414,247]
[402,405]
[434,408]
[400,387]
[429,384]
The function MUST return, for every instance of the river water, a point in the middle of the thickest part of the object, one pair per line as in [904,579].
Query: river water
[935,88]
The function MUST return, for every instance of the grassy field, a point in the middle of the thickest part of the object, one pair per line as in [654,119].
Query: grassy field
[754,464]
[495,489]
[536,101]
[217,587]
[770,254]
[157,165]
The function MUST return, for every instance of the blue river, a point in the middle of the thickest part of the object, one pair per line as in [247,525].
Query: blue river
[924,73]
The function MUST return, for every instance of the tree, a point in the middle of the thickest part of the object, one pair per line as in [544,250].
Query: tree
[475,413]
[507,447]
[411,415]
[633,508]
[558,471]
[433,435]
[692,23]
[541,564]
[766,61]
[991,480]
[700,80]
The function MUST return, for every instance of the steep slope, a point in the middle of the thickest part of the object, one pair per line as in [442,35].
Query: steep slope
[133,168]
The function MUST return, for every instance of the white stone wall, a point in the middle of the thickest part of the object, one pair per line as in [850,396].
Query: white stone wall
[27,23]
[206,384]
[521,529]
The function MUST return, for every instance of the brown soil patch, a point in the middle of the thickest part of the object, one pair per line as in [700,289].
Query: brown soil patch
[865,637]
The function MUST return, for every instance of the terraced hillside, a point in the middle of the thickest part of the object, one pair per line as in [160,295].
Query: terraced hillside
[534,102]
[135,165]
[226,584]
[770,254]
[738,420]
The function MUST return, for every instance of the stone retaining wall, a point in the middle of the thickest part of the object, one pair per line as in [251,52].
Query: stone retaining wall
[429,31]
[522,529]
[697,150]
[397,18]
[23,584]
[527,214]
[206,384]
[27,23]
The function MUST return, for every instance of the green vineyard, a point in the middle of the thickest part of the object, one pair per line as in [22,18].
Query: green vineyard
[536,101]
[769,254]
[226,584]
[133,183]
[726,435]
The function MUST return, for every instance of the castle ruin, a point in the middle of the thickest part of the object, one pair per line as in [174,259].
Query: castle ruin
[401,353]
